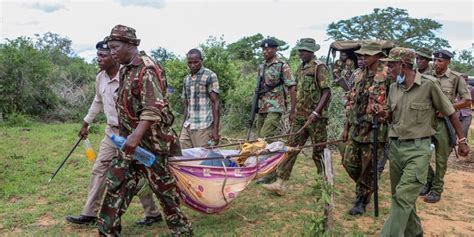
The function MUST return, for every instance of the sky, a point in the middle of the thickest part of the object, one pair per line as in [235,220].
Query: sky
[181,25]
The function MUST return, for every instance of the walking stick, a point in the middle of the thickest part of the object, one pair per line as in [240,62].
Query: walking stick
[375,128]
[65,159]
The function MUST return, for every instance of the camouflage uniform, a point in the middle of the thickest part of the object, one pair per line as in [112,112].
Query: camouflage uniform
[369,91]
[273,103]
[141,97]
[309,90]
[343,69]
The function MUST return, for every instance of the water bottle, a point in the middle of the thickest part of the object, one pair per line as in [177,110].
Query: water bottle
[90,154]
[143,156]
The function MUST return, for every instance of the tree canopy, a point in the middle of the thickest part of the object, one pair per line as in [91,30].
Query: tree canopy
[392,24]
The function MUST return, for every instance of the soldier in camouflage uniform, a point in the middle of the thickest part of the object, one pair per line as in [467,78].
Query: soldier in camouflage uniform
[452,85]
[275,84]
[145,119]
[313,96]
[423,58]
[365,100]
[343,67]
[411,103]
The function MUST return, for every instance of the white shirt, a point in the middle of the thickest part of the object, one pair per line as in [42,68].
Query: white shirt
[105,99]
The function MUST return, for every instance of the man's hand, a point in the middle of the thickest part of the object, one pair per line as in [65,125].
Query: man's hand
[84,132]
[131,144]
[463,149]
[215,136]
[292,117]
[345,135]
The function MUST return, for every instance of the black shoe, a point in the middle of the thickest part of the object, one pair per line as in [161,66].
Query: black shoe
[433,197]
[425,190]
[149,220]
[82,220]
[359,207]
[268,179]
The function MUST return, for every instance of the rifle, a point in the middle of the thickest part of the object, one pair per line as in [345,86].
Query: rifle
[255,100]
[65,159]
[451,135]
[375,128]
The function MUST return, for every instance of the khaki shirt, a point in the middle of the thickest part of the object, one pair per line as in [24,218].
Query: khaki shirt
[104,100]
[413,109]
[448,81]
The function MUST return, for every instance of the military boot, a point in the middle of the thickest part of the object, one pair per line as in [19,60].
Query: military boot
[359,206]
[433,197]
[425,189]
[279,186]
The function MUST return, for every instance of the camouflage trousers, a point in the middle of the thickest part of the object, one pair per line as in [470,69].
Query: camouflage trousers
[357,161]
[317,131]
[123,184]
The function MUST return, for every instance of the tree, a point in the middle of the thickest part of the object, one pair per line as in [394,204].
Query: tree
[392,24]
[162,55]
[248,48]
[463,62]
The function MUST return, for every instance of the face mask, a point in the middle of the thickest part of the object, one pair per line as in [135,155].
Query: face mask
[400,78]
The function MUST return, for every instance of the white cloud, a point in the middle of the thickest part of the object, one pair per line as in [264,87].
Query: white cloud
[47,7]
[179,26]
[144,3]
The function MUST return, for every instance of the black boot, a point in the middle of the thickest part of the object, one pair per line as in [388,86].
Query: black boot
[82,220]
[425,189]
[433,197]
[359,206]
[150,220]
[269,178]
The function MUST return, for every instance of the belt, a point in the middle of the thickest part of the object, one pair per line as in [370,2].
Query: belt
[408,140]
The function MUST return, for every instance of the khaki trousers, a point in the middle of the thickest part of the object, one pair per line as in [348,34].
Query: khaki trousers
[97,184]
[195,137]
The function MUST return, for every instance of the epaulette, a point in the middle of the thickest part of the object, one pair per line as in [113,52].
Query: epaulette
[458,74]
[429,78]
[149,63]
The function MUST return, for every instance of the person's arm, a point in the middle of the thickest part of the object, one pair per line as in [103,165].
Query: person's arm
[95,108]
[464,95]
[290,83]
[442,104]
[215,115]
[323,79]
[152,104]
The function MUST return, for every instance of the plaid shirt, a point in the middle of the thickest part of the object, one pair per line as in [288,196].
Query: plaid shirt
[196,90]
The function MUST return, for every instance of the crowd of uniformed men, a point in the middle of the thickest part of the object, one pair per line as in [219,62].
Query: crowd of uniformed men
[415,104]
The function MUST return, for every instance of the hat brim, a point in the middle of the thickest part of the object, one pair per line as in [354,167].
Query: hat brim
[368,52]
[424,55]
[135,42]
[308,48]
[389,60]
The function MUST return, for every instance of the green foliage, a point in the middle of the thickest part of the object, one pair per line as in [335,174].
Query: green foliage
[463,62]
[239,104]
[392,24]
[42,78]
[176,70]
[163,55]
[247,49]
[17,120]
[218,59]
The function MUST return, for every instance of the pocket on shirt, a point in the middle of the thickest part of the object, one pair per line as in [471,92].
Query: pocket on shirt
[202,87]
[420,110]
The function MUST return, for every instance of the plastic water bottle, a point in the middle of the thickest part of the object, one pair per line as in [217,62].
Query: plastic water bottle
[143,156]
[90,154]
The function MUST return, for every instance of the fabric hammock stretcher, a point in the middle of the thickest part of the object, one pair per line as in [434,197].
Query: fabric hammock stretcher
[210,189]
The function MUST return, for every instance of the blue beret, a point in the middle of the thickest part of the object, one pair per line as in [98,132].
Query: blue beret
[101,45]
[443,53]
[269,43]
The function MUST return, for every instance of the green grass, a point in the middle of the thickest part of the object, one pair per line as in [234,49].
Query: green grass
[31,206]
